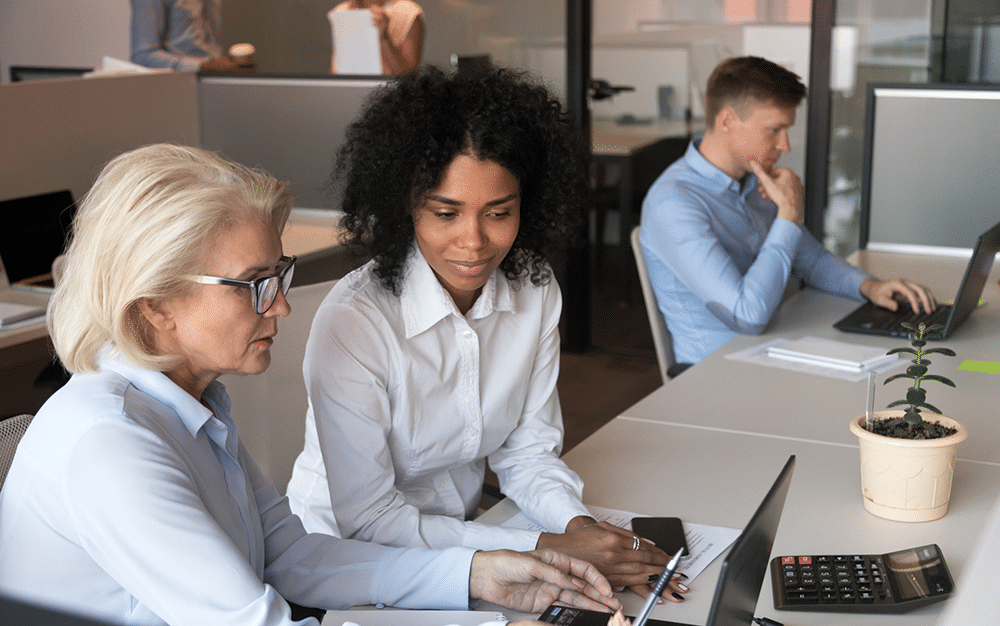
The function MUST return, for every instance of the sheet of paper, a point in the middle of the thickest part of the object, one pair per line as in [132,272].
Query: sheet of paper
[355,42]
[758,356]
[11,313]
[704,542]
[393,617]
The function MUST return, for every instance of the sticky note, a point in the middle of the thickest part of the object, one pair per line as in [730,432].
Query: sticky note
[986,367]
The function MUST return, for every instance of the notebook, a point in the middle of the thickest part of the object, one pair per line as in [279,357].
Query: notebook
[34,234]
[848,357]
[874,320]
[743,570]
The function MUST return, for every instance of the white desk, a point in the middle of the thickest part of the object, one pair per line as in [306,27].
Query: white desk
[707,445]
[732,395]
[718,478]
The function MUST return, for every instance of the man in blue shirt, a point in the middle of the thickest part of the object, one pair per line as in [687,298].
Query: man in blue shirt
[722,226]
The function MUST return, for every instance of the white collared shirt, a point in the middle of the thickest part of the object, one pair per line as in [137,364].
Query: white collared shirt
[407,400]
[131,502]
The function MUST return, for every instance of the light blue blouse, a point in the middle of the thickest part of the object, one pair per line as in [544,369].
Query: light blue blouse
[130,501]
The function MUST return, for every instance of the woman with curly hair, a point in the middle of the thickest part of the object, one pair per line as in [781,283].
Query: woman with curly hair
[442,352]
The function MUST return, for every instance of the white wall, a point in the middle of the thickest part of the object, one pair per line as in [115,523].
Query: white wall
[73,33]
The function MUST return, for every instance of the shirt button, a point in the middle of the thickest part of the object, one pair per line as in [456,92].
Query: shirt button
[468,334]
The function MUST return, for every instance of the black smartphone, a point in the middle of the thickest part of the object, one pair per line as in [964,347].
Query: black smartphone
[582,617]
[666,532]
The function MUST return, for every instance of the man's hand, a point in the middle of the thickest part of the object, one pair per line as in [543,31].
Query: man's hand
[529,582]
[783,186]
[886,293]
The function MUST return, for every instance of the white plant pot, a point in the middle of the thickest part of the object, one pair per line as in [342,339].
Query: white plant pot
[907,480]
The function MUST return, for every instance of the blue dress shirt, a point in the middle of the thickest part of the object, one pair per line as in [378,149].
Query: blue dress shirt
[131,502]
[719,259]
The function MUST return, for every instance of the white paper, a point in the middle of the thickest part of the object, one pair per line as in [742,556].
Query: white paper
[851,357]
[11,313]
[355,42]
[757,355]
[705,543]
[394,617]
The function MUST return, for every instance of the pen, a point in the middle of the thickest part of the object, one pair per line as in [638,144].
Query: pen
[640,619]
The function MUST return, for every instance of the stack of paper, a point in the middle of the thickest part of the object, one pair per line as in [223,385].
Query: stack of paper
[838,355]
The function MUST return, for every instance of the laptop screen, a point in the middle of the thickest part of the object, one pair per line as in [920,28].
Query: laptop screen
[745,567]
[34,233]
[976,275]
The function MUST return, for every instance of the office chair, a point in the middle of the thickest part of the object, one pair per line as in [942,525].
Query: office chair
[11,431]
[661,336]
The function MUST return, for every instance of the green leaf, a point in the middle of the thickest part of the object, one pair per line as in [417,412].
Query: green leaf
[944,351]
[940,379]
[930,407]
[896,403]
[916,370]
[904,349]
[896,377]
[916,396]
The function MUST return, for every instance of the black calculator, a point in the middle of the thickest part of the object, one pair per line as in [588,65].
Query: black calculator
[861,583]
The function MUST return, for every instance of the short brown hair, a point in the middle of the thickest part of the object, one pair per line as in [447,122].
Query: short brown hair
[743,81]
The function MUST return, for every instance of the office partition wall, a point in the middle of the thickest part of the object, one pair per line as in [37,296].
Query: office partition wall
[930,174]
[291,127]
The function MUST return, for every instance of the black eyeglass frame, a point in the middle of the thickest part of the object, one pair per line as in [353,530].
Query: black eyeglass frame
[258,287]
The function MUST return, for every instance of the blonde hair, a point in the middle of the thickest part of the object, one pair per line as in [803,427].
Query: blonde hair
[148,221]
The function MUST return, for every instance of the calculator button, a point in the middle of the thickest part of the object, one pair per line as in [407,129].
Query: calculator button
[805,560]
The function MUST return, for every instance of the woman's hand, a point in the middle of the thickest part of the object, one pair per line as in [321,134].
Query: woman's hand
[530,581]
[613,552]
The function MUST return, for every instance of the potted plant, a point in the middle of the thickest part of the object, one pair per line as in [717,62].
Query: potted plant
[907,462]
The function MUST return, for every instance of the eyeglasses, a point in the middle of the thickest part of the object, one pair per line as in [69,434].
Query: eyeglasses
[263,290]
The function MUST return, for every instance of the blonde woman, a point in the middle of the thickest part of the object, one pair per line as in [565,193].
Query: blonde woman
[130,498]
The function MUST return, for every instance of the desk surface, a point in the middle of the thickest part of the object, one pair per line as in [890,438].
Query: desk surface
[707,445]
[664,469]
[733,395]
[608,138]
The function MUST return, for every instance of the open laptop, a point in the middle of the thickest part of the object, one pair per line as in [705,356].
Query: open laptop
[34,234]
[740,579]
[871,319]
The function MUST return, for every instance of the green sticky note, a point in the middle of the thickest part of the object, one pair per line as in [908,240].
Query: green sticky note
[987,367]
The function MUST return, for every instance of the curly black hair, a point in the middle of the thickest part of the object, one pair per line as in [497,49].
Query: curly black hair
[413,128]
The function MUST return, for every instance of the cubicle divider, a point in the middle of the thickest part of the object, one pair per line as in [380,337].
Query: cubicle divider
[59,133]
[290,127]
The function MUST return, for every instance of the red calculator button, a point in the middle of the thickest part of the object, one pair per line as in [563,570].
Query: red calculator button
[805,560]
[788,560]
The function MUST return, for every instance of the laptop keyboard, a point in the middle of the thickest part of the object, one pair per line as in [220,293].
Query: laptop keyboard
[893,321]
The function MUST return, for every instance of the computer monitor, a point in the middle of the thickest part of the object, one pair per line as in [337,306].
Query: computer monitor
[36,72]
[930,172]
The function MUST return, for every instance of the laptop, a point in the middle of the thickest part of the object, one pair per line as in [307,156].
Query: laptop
[740,578]
[34,234]
[874,320]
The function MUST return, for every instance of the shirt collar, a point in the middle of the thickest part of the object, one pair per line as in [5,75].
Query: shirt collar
[425,302]
[158,386]
[718,179]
